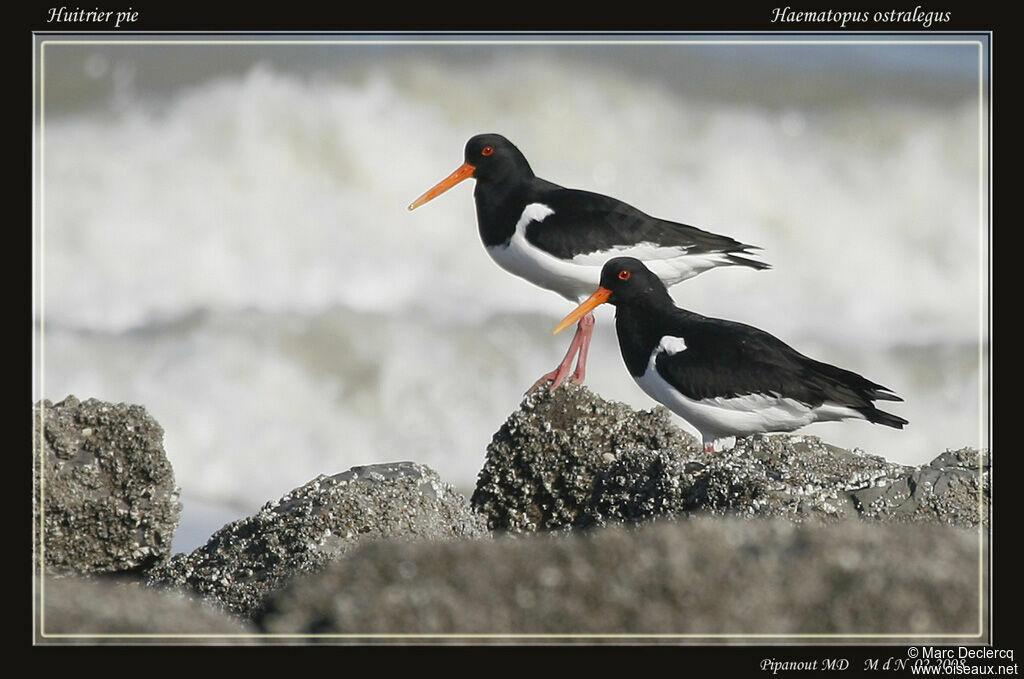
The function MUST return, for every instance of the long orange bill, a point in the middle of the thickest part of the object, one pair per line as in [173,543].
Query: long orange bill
[465,171]
[599,297]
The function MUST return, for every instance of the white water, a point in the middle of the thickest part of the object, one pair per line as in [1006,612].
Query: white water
[233,250]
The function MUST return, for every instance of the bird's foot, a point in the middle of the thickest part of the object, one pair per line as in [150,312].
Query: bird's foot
[556,377]
[537,385]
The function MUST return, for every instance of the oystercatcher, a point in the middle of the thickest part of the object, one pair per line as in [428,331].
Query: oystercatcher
[558,238]
[727,379]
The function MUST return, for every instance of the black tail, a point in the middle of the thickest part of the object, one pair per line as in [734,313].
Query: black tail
[752,263]
[881,417]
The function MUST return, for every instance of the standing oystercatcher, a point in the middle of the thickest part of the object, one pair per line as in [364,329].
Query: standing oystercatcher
[558,238]
[726,379]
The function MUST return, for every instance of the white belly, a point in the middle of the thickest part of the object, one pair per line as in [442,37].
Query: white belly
[572,281]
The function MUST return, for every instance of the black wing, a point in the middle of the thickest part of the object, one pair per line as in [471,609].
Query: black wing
[726,359]
[585,222]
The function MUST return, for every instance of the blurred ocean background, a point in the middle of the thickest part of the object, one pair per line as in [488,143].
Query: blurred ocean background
[223,237]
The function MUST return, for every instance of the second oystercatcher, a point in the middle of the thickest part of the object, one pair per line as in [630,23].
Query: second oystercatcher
[559,238]
[727,379]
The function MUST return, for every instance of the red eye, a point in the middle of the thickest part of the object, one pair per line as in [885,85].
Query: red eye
[488,150]
[624,275]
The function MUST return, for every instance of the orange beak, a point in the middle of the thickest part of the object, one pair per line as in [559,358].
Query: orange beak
[599,297]
[465,171]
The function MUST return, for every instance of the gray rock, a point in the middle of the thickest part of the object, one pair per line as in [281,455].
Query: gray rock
[110,501]
[944,491]
[570,459]
[542,466]
[318,522]
[707,575]
[117,609]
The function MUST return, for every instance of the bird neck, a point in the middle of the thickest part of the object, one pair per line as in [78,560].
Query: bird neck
[641,325]
[499,205]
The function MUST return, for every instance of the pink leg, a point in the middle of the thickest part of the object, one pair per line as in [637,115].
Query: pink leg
[709,447]
[587,325]
[581,339]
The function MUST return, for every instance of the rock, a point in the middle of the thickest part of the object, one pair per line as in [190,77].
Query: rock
[89,607]
[946,490]
[110,501]
[570,459]
[542,465]
[706,575]
[318,522]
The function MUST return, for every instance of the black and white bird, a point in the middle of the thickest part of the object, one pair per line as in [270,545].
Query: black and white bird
[558,238]
[726,379]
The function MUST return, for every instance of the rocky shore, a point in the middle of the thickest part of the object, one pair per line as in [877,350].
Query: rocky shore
[590,522]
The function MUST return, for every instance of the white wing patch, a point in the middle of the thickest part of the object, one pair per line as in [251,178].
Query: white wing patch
[534,212]
[671,345]
[644,251]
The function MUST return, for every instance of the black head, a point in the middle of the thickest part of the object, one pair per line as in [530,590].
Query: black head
[630,281]
[624,281]
[494,157]
[489,158]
